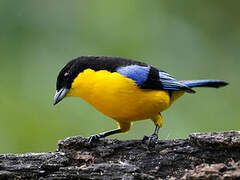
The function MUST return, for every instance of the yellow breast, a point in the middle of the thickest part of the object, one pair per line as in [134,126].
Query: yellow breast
[117,96]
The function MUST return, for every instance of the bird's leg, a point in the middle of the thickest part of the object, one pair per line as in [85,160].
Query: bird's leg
[155,134]
[122,127]
[157,119]
[102,135]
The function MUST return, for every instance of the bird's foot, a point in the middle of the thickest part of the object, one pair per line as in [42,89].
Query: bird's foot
[94,138]
[150,140]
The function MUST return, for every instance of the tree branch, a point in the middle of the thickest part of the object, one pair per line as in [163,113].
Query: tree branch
[201,156]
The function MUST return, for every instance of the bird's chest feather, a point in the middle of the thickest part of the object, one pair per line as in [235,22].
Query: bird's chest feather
[118,96]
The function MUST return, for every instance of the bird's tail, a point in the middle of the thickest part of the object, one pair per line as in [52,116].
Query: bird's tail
[204,83]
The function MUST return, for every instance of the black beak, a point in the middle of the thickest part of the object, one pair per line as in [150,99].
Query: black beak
[60,95]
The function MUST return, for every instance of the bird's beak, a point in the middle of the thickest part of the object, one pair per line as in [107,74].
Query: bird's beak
[60,95]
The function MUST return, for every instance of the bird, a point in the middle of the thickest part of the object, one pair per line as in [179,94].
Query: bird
[124,89]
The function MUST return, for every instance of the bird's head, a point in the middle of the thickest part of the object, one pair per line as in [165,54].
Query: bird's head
[69,74]
[64,81]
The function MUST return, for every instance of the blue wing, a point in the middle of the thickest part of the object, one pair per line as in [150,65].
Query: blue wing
[170,83]
[147,77]
[135,72]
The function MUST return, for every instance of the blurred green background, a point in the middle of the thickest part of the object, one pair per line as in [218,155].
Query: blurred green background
[189,39]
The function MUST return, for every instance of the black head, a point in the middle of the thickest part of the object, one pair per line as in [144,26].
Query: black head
[66,76]
[65,79]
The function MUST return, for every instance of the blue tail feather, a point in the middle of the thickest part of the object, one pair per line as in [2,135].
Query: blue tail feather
[204,83]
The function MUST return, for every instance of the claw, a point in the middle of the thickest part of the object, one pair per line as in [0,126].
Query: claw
[93,138]
[150,140]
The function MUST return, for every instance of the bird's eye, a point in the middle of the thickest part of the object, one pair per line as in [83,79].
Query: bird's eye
[66,74]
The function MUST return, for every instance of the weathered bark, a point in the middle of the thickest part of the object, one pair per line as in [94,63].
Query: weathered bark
[201,156]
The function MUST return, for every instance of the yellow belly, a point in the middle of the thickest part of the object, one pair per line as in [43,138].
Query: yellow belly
[117,96]
[130,104]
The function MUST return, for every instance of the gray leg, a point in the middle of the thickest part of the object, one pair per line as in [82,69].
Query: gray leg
[103,135]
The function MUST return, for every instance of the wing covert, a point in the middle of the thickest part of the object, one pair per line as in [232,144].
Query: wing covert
[135,72]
